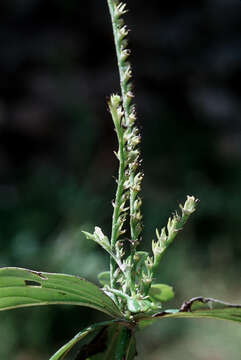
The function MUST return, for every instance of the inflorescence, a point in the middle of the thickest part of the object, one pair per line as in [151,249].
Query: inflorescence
[130,279]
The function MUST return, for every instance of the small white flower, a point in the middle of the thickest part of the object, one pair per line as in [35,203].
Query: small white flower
[99,233]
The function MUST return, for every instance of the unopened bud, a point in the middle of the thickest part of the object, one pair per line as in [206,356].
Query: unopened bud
[189,206]
[115,100]
[120,9]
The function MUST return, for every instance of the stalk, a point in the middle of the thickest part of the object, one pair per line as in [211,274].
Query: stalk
[120,31]
[114,105]
[125,345]
[128,138]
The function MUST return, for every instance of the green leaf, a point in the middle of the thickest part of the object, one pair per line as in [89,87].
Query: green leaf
[119,344]
[161,292]
[199,307]
[136,306]
[109,340]
[23,287]
[104,278]
[99,238]
[103,241]
[65,349]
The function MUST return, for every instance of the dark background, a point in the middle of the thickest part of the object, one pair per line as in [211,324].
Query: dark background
[58,67]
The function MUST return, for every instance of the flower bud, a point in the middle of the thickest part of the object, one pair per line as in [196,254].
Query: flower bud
[189,206]
[120,9]
[115,100]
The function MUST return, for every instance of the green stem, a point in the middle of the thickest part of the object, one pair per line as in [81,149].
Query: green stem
[132,199]
[133,236]
[119,293]
[124,68]
[119,191]
[125,344]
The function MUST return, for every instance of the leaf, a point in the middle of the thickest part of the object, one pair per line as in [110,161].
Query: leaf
[103,241]
[99,238]
[161,292]
[22,287]
[109,340]
[199,307]
[104,278]
[136,306]
[119,344]
[64,350]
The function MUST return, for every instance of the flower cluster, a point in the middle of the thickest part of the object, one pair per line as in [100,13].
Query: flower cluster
[129,180]
[130,279]
[127,111]
[174,225]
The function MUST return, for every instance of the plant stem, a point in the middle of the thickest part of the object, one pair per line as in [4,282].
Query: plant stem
[125,74]
[125,344]
[119,191]
[132,199]
[128,138]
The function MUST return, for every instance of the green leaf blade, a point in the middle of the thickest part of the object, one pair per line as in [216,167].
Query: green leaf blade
[104,341]
[161,292]
[65,349]
[22,287]
[222,314]
[199,307]
[119,342]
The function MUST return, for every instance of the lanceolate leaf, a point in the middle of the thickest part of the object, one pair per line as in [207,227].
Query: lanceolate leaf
[161,292]
[64,350]
[106,341]
[115,342]
[23,287]
[199,307]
